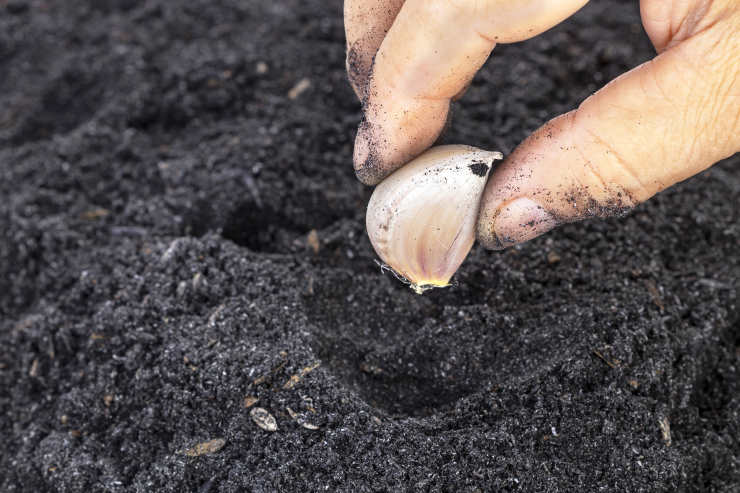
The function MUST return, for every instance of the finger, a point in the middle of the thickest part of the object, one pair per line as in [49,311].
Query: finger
[669,23]
[659,124]
[427,57]
[365,25]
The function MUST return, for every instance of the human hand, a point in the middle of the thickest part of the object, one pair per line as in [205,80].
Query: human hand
[654,126]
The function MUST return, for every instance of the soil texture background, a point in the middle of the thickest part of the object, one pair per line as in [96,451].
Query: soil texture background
[189,301]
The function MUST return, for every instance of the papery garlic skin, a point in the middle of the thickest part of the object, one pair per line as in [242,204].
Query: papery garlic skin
[421,219]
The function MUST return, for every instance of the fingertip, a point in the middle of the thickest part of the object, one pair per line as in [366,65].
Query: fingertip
[521,220]
[362,146]
[365,158]
[487,238]
[517,205]
[366,22]
[394,131]
[513,222]
[368,174]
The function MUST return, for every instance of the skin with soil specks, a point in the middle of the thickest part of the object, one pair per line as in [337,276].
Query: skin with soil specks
[158,190]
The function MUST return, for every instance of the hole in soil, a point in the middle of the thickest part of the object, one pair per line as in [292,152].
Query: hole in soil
[261,229]
[272,228]
[412,355]
[374,340]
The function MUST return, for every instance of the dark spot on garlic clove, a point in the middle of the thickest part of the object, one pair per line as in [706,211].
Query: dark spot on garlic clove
[479,168]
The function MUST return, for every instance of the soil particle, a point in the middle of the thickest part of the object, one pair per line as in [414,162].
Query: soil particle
[209,447]
[301,86]
[263,419]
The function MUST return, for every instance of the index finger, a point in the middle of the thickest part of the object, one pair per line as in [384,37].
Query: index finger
[431,52]
[365,24]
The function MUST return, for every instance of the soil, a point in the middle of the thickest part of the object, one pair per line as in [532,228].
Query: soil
[189,301]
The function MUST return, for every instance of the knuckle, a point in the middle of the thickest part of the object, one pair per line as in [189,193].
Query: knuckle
[714,110]
[608,175]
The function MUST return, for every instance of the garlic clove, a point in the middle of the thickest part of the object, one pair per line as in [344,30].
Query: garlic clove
[421,219]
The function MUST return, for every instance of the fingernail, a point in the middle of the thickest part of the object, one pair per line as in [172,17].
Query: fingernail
[521,220]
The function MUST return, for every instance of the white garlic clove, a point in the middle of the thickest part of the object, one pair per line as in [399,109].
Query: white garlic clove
[421,219]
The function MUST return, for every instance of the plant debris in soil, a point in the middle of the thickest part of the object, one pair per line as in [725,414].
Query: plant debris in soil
[184,238]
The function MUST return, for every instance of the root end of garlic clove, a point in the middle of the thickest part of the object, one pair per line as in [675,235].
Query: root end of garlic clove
[425,286]
[418,287]
[421,219]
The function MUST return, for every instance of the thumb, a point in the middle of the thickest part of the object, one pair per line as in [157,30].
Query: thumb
[654,126]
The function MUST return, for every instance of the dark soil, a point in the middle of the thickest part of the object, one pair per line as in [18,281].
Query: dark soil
[157,275]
